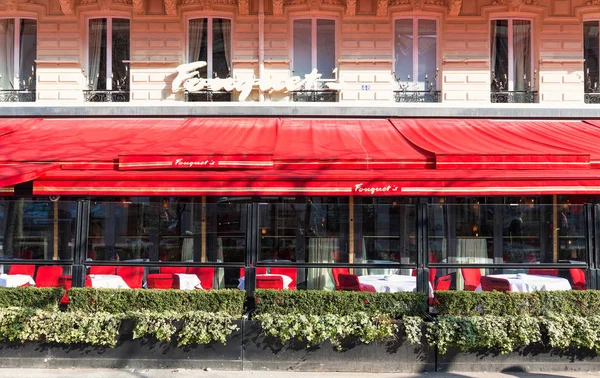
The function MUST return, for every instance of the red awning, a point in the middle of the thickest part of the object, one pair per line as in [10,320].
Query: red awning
[504,144]
[16,173]
[301,157]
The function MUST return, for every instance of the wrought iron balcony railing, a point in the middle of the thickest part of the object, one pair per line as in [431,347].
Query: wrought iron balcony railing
[17,95]
[417,96]
[514,97]
[106,96]
[318,95]
[208,96]
[592,98]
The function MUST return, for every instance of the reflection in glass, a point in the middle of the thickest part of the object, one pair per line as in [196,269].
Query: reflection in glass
[326,48]
[302,47]
[404,49]
[38,230]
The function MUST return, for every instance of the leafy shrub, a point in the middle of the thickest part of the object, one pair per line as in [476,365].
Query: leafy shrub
[317,302]
[315,329]
[539,303]
[126,300]
[31,297]
[199,327]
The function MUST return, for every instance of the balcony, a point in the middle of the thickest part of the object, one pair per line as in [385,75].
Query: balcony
[207,95]
[514,97]
[17,95]
[317,95]
[417,96]
[106,96]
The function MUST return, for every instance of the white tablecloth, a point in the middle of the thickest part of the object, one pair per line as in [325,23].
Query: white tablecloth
[389,284]
[286,280]
[189,282]
[529,282]
[108,281]
[15,280]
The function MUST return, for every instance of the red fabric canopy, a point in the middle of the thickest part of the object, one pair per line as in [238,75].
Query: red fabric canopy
[505,144]
[300,156]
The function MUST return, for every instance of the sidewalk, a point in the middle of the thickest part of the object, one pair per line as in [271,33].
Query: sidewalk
[141,373]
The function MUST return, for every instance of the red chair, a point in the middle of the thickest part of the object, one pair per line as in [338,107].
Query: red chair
[206,276]
[28,270]
[66,282]
[290,272]
[172,270]
[493,283]
[269,282]
[336,272]
[432,274]
[103,269]
[443,283]
[413,272]
[544,272]
[48,276]
[260,270]
[368,288]
[132,275]
[577,279]
[349,282]
[472,278]
[162,281]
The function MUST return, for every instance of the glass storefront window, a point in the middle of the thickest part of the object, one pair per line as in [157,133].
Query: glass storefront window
[36,229]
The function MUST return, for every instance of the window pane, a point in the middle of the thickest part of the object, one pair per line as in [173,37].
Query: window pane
[499,54]
[96,74]
[221,47]
[32,229]
[427,51]
[120,52]
[28,51]
[7,50]
[591,54]
[522,54]
[302,47]
[198,49]
[326,48]
[404,49]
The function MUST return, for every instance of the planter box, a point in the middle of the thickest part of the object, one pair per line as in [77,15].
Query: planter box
[267,353]
[534,358]
[132,354]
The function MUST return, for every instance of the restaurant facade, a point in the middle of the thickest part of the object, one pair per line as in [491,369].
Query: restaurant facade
[411,143]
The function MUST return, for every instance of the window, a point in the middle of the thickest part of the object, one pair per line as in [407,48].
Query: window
[210,41]
[108,51]
[511,56]
[416,58]
[314,47]
[18,51]
[591,42]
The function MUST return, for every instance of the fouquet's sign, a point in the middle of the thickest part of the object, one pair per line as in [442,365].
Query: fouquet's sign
[147,162]
[374,189]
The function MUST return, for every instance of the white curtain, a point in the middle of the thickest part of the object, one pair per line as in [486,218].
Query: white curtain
[196,28]
[7,50]
[522,53]
[95,51]
[226,28]
[320,251]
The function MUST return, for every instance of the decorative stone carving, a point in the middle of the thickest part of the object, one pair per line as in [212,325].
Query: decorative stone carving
[399,2]
[417,5]
[67,6]
[350,7]
[454,7]
[277,7]
[243,7]
[138,7]
[11,5]
[593,3]
[382,7]
[171,7]
[515,5]
[104,4]
[313,5]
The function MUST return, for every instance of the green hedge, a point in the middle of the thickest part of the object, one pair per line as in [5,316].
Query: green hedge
[539,303]
[30,297]
[317,302]
[116,301]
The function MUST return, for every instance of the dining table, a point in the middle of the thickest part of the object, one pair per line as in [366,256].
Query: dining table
[16,280]
[108,281]
[392,283]
[189,282]
[526,283]
[286,280]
